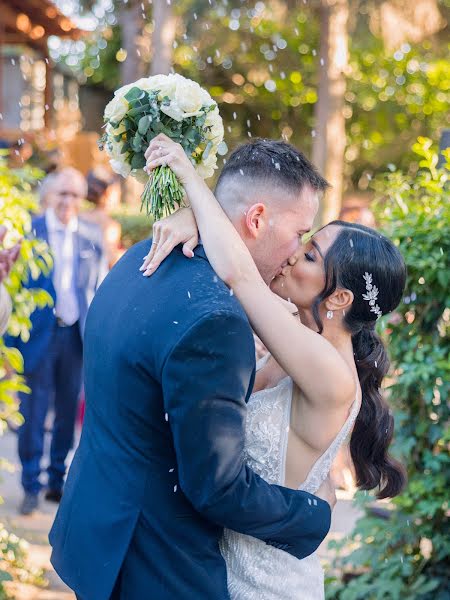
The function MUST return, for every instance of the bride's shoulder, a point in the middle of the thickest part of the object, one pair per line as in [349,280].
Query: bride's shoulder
[343,390]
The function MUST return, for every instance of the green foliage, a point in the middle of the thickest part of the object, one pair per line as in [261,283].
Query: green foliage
[13,565]
[407,555]
[18,202]
[135,226]
[261,63]
[392,98]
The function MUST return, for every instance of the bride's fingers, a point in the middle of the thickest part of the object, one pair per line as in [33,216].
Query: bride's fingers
[160,235]
[188,247]
[164,161]
[162,253]
[156,238]
[158,143]
[148,259]
[155,155]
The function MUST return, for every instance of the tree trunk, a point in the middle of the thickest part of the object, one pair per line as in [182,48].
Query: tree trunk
[130,19]
[329,142]
[163,37]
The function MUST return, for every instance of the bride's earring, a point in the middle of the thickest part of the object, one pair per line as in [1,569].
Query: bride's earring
[329,314]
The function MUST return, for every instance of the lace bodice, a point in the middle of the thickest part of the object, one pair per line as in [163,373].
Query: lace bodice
[257,571]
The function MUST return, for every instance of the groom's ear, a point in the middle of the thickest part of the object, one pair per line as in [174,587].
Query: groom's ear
[256,219]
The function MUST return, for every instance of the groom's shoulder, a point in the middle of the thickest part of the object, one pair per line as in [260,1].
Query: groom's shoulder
[190,284]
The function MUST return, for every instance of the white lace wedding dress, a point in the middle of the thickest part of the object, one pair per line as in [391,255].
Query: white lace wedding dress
[255,570]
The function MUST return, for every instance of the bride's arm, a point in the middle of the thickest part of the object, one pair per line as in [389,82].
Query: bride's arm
[302,353]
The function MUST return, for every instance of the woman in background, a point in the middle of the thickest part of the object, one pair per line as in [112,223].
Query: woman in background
[102,187]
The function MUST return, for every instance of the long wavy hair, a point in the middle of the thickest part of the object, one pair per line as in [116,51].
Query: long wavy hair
[358,250]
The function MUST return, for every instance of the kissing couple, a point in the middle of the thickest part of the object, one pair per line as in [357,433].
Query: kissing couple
[200,475]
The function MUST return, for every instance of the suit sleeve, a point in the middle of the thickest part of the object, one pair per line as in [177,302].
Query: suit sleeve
[205,381]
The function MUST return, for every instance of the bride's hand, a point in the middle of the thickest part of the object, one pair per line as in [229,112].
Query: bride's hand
[178,228]
[163,151]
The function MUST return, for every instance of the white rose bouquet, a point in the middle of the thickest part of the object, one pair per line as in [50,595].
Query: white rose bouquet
[169,104]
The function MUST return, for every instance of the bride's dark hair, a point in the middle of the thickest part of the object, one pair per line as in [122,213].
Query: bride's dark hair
[358,250]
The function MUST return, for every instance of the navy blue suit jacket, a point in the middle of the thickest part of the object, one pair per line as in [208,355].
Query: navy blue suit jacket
[90,267]
[169,365]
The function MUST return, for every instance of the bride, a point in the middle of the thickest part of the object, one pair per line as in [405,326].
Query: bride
[322,378]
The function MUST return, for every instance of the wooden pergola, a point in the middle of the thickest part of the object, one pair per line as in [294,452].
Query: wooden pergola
[30,23]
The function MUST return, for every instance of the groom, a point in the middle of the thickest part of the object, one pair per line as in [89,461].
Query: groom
[169,366]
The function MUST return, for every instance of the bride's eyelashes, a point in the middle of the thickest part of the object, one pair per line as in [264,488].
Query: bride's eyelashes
[309,257]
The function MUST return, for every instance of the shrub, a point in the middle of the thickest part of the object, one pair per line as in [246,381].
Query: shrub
[136,226]
[17,204]
[406,556]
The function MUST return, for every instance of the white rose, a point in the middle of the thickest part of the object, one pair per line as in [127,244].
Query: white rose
[207,100]
[121,167]
[188,95]
[116,110]
[166,84]
[120,93]
[173,110]
[207,167]
[197,113]
[214,120]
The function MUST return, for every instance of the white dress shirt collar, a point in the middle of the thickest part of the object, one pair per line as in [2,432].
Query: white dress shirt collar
[54,224]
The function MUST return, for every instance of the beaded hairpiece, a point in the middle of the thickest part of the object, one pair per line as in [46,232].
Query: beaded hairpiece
[372,295]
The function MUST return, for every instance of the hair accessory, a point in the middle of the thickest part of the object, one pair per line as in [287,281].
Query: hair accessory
[329,314]
[372,295]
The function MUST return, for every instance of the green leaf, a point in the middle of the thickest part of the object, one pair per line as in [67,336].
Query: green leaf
[144,124]
[139,110]
[15,358]
[207,150]
[136,143]
[134,94]
[138,161]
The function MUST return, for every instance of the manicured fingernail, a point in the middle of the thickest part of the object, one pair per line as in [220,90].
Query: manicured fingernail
[142,268]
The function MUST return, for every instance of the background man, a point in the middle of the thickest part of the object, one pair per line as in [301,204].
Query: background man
[53,354]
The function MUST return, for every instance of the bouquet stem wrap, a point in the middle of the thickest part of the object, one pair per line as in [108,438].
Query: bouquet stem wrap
[162,194]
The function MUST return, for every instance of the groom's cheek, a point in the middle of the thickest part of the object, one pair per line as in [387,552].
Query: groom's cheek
[292,247]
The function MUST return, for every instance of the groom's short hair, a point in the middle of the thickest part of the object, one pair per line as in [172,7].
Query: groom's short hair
[264,163]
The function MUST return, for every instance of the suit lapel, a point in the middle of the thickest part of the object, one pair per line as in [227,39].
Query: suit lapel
[40,229]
